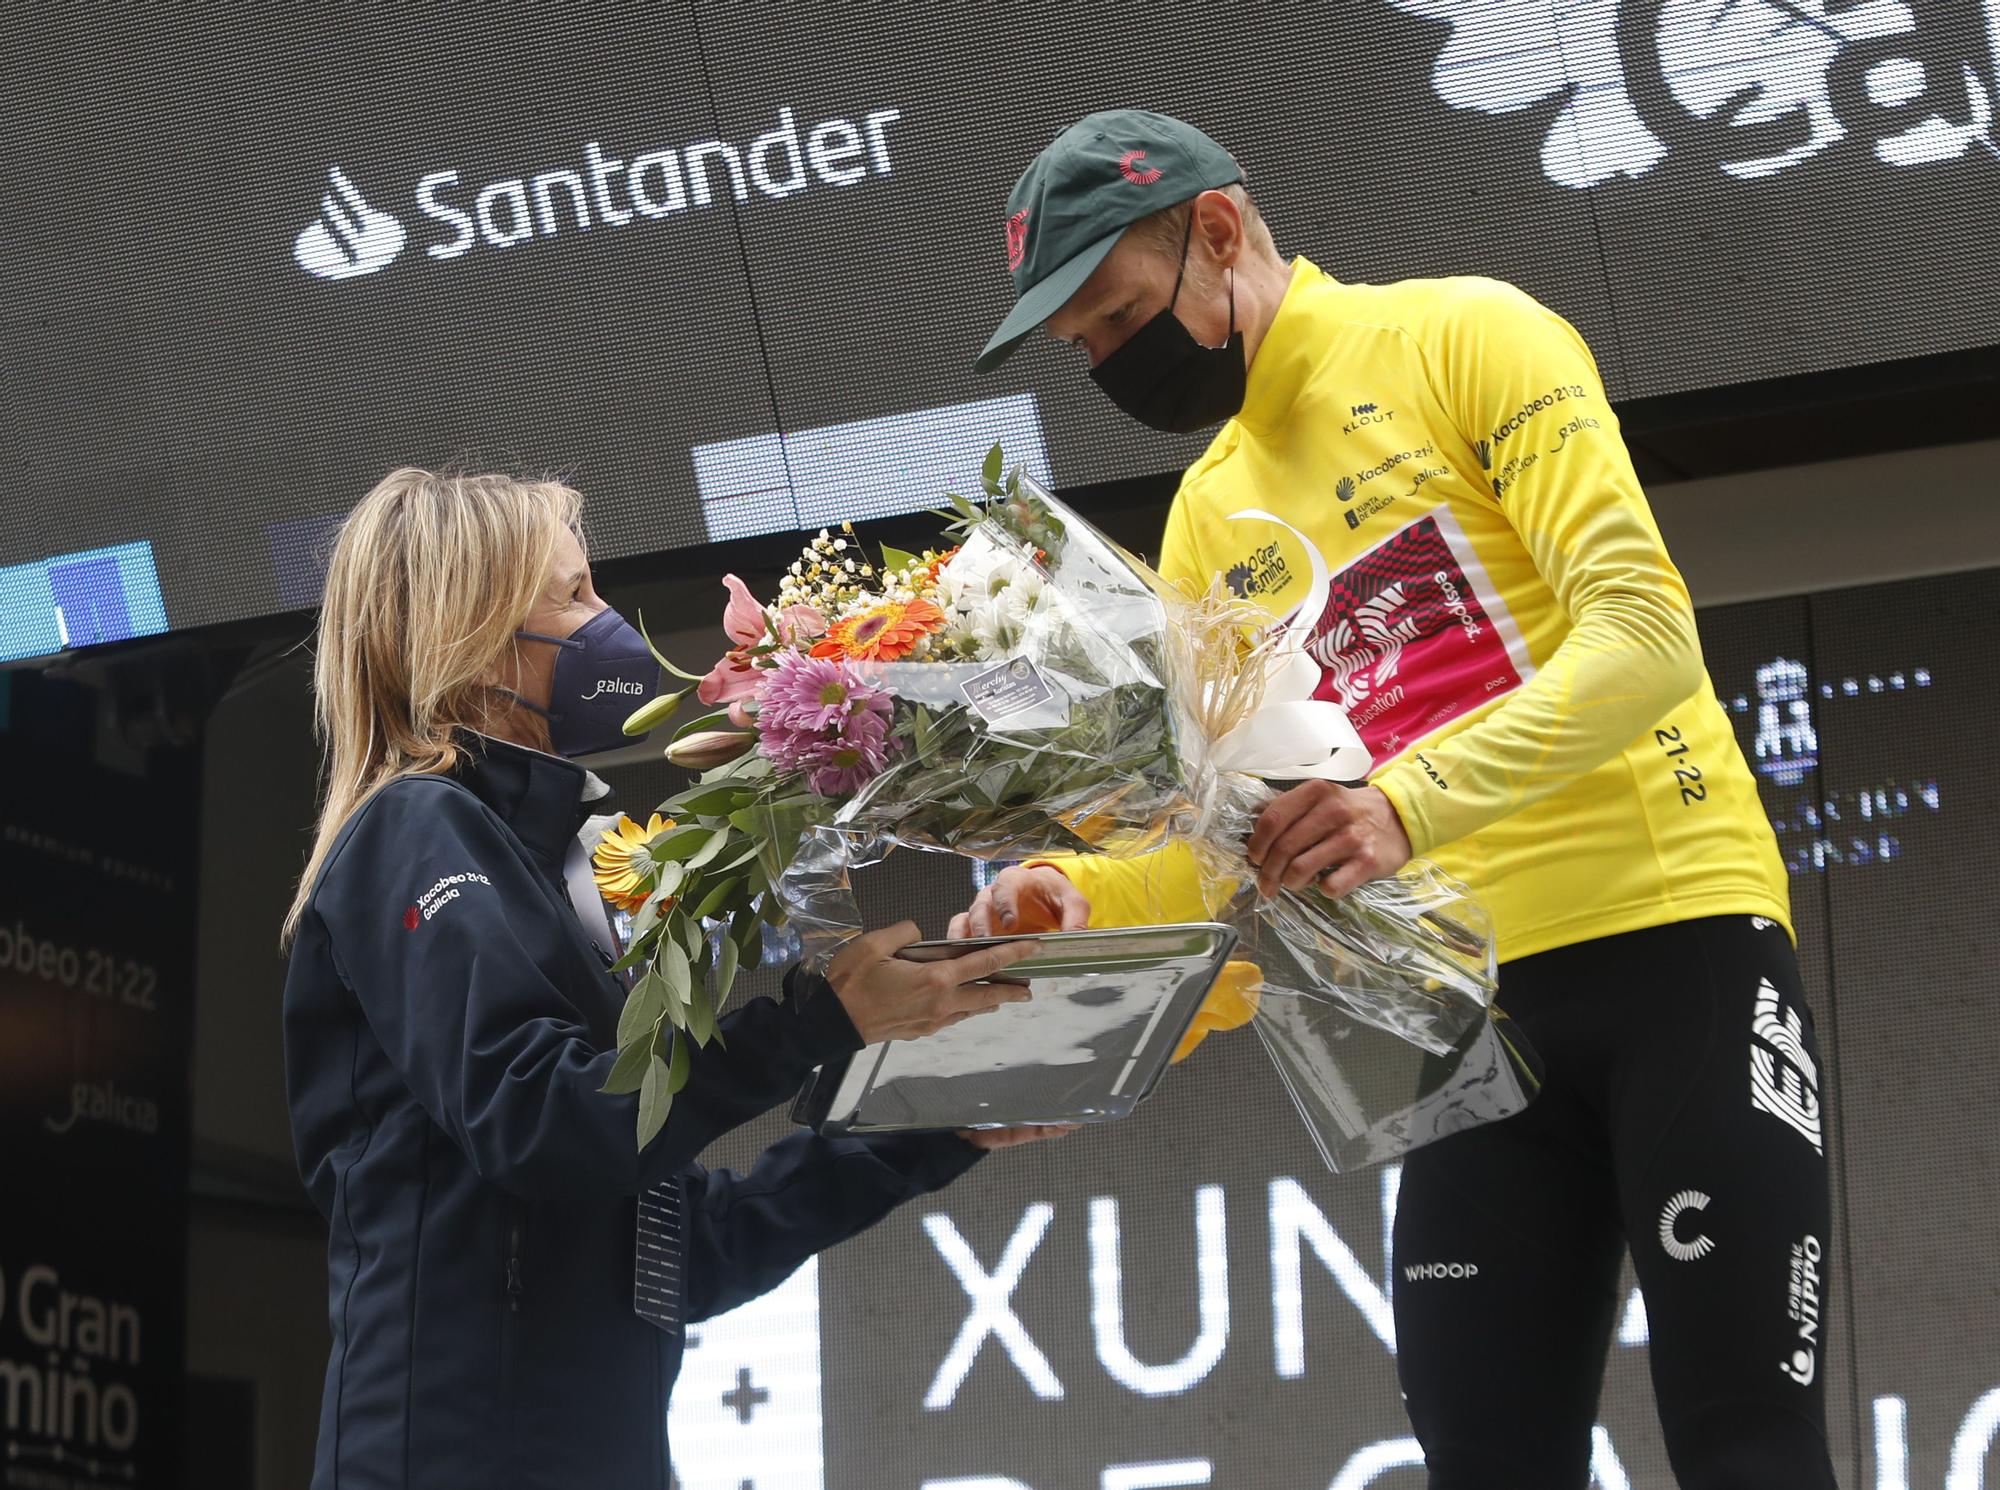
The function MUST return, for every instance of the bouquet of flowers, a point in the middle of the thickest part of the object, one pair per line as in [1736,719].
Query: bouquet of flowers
[1028,688]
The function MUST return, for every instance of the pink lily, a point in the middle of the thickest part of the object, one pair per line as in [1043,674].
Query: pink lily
[743,621]
[797,623]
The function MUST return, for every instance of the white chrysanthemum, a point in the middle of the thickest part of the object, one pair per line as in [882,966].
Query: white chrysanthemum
[997,603]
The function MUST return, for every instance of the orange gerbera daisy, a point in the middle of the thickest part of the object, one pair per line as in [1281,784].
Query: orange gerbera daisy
[883,634]
[935,567]
[623,867]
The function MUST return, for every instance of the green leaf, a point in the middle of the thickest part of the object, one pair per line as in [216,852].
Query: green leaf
[672,968]
[643,1007]
[717,898]
[694,938]
[716,800]
[630,1069]
[746,929]
[638,952]
[701,1015]
[718,840]
[676,843]
[746,767]
[656,1096]
[670,877]
[661,657]
[683,1061]
[746,849]
[894,559]
[989,472]
[929,734]
[718,719]
[726,963]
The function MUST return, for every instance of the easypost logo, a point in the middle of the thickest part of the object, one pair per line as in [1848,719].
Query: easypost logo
[363,231]
[1756,86]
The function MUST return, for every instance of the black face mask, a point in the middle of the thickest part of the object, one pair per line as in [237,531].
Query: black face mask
[1164,378]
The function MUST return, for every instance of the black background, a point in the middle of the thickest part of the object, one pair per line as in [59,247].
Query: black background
[101,862]
[167,372]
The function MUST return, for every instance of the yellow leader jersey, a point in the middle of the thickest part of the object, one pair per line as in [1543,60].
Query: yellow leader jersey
[1505,629]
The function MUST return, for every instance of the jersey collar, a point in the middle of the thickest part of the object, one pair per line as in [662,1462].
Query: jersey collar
[1284,356]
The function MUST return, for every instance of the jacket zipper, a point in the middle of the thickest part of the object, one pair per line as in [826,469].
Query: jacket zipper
[509,1323]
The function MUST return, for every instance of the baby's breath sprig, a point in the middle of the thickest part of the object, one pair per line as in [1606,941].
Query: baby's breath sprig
[830,574]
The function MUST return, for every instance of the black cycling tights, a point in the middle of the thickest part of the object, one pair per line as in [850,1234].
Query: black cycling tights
[1681,1118]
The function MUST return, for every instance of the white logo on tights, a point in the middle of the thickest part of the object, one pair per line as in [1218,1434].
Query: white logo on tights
[1802,1305]
[1698,1246]
[1425,1272]
[1784,1079]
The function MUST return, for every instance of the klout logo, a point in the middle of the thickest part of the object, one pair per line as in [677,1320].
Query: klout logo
[596,191]
[349,236]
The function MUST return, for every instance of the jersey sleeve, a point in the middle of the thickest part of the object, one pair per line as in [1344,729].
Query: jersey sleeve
[1521,386]
[466,968]
[1163,885]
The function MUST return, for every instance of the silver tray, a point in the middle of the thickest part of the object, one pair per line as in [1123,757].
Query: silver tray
[1107,1010]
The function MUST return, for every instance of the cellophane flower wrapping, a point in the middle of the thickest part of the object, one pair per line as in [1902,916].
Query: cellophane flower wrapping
[1083,720]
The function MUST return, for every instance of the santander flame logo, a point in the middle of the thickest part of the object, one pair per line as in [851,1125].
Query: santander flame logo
[1129,168]
[1017,239]
[349,237]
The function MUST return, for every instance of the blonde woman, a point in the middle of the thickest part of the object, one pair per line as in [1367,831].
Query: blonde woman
[508,1275]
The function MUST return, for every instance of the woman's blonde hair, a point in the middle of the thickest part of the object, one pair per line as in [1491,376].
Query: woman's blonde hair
[430,578]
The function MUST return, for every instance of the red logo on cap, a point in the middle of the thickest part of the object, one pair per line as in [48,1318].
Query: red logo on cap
[411,919]
[1138,178]
[1017,239]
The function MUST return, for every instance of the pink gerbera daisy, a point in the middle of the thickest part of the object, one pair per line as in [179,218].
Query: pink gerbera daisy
[815,694]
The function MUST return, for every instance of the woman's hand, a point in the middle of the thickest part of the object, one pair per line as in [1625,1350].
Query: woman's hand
[1008,1138]
[889,998]
[1342,836]
[1031,898]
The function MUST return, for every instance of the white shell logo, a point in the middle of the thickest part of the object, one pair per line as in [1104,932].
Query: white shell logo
[349,237]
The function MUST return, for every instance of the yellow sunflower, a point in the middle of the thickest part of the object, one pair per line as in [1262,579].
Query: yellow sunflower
[883,634]
[624,872]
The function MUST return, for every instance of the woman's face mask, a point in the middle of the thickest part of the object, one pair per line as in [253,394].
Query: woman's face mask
[604,671]
[1164,378]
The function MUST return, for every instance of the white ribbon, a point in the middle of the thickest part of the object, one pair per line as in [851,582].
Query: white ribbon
[1294,734]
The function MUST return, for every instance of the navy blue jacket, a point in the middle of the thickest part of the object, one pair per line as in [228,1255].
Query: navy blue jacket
[447,1026]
